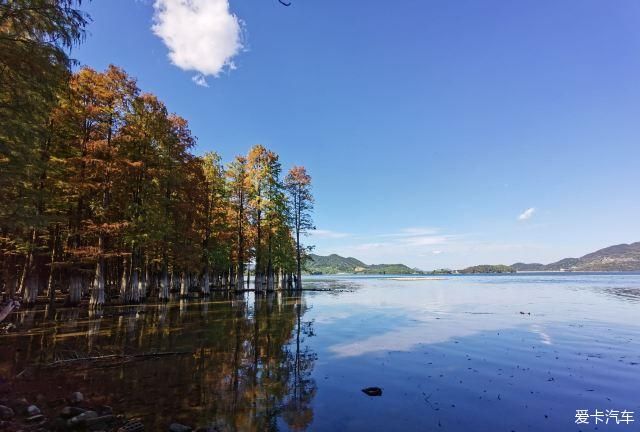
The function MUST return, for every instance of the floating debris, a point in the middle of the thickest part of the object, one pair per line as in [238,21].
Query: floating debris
[372,391]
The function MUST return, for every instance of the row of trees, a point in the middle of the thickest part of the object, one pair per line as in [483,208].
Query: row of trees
[100,192]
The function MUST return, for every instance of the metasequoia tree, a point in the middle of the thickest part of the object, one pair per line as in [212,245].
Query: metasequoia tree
[298,185]
[34,38]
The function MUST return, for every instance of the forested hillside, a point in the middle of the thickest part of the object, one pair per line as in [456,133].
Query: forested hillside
[333,264]
[622,257]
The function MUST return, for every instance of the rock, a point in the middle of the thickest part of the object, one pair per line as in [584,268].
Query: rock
[35,418]
[215,426]
[71,411]
[81,419]
[104,410]
[76,397]
[20,405]
[58,424]
[6,413]
[100,423]
[33,410]
[372,391]
[132,426]
[177,427]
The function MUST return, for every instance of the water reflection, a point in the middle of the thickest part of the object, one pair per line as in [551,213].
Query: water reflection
[240,362]
[625,294]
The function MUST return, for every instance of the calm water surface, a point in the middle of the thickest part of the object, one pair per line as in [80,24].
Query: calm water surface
[459,353]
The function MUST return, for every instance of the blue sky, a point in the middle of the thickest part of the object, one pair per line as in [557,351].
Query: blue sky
[429,127]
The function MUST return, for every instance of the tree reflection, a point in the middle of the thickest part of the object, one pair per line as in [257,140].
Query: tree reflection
[297,410]
[241,363]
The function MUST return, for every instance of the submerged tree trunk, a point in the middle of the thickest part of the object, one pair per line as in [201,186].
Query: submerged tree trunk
[10,275]
[133,285]
[125,291]
[240,277]
[30,293]
[142,284]
[27,265]
[164,284]
[51,288]
[75,289]
[299,262]
[97,289]
[204,283]
[184,285]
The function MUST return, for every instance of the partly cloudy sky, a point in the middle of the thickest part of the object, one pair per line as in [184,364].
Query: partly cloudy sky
[202,36]
[423,247]
[515,140]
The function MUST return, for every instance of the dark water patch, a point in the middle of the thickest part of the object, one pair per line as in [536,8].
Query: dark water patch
[241,364]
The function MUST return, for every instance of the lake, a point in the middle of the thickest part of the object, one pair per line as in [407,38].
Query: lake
[518,352]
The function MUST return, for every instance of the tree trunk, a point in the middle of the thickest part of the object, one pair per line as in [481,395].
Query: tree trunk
[142,284]
[9,276]
[204,283]
[125,292]
[51,288]
[97,289]
[298,259]
[184,285]
[25,271]
[75,289]
[30,293]
[270,276]
[240,277]
[164,284]
[133,286]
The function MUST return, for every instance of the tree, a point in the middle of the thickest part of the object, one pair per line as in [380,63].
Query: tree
[34,37]
[298,185]
[215,242]
[237,174]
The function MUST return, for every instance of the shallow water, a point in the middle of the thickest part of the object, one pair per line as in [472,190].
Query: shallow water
[458,353]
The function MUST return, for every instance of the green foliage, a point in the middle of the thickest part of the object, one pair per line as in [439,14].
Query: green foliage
[334,264]
[488,269]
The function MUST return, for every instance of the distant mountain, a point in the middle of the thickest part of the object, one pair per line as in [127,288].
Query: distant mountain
[332,264]
[622,257]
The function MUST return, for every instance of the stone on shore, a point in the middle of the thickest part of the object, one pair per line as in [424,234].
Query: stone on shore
[6,413]
[177,427]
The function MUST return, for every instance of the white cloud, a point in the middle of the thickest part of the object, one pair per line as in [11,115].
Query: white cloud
[202,35]
[200,80]
[411,232]
[429,248]
[408,246]
[525,215]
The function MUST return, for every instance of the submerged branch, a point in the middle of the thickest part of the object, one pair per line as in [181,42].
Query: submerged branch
[117,356]
[8,308]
